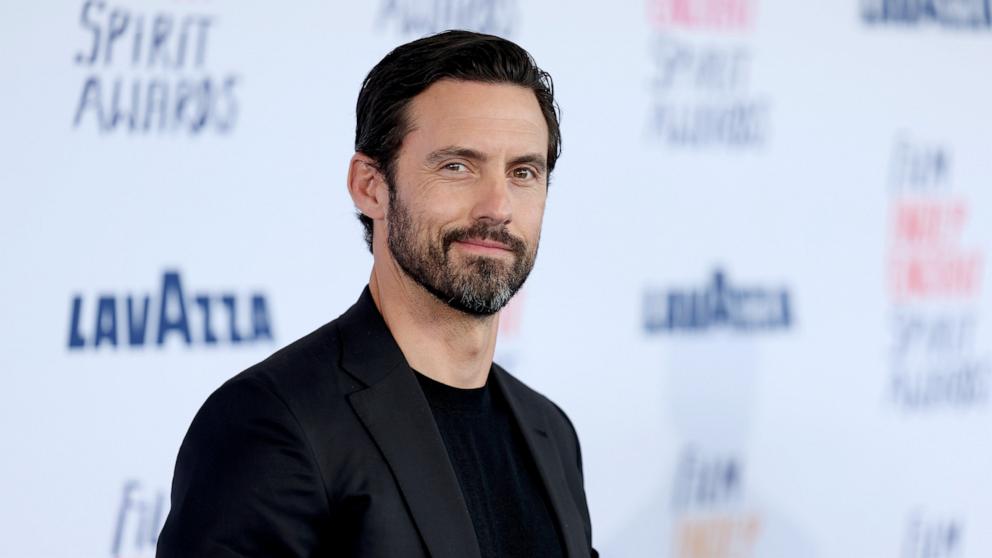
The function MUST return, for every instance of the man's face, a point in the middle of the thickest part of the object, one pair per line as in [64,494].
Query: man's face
[465,214]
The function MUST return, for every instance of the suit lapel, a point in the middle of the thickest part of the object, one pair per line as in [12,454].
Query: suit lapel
[400,420]
[396,413]
[533,426]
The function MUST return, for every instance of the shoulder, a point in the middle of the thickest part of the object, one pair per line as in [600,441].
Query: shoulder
[270,413]
[314,358]
[273,390]
[305,373]
[299,387]
[223,479]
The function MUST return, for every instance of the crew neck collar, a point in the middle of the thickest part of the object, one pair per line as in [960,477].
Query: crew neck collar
[450,398]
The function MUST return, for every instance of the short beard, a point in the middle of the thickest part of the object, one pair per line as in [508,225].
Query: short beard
[482,287]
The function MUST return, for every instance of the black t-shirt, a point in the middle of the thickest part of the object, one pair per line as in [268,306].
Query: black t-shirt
[501,485]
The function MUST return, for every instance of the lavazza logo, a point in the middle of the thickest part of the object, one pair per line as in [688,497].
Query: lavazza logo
[131,320]
[717,305]
[422,17]
[150,73]
[700,88]
[950,14]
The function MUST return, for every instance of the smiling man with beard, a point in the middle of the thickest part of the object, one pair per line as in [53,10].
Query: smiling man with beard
[390,432]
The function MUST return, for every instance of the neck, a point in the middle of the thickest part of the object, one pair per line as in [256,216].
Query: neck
[438,341]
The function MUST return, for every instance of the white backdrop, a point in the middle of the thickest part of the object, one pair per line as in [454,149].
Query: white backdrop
[761,294]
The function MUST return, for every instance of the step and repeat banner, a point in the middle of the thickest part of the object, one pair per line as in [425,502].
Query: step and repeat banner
[762,294]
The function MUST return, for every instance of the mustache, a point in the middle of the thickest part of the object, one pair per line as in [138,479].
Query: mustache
[484,231]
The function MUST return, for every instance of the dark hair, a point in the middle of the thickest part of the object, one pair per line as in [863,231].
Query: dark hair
[411,68]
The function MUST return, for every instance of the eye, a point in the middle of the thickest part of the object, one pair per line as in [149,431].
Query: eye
[455,167]
[524,173]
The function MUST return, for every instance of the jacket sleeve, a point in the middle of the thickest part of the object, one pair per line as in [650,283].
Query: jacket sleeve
[246,483]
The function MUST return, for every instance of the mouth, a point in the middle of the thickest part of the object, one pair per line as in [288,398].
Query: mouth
[484,245]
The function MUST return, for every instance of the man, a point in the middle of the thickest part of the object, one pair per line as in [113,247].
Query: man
[389,432]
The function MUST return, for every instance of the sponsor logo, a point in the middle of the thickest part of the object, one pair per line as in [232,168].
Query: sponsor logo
[935,280]
[191,318]
[422,17]
[702,481]
[700,85]
[710,520]
[140,517]
[929,537]
[955,14]
[717,305]
[148,72]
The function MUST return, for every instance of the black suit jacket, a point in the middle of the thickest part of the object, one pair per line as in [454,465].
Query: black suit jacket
[329,448]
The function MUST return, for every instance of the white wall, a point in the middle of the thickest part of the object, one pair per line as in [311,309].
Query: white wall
[831,161]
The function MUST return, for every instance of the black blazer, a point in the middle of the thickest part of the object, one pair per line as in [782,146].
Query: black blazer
[329,448]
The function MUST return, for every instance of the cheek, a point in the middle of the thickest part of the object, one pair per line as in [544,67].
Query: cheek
[530,216]
[420,212]
[436,208]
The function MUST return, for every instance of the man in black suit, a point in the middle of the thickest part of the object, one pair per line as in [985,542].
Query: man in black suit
[389,432]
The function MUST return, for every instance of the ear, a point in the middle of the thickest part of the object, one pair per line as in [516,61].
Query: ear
[367,186]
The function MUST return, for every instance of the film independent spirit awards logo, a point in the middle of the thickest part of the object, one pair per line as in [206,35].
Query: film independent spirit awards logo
[935,274]
[700,86]
[150,72]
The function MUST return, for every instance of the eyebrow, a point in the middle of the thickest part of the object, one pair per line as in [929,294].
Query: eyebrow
[439,155]
[454,151]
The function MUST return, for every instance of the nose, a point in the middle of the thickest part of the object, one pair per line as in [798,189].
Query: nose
[492,201]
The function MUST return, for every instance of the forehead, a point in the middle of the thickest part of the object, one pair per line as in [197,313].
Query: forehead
[488,116]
